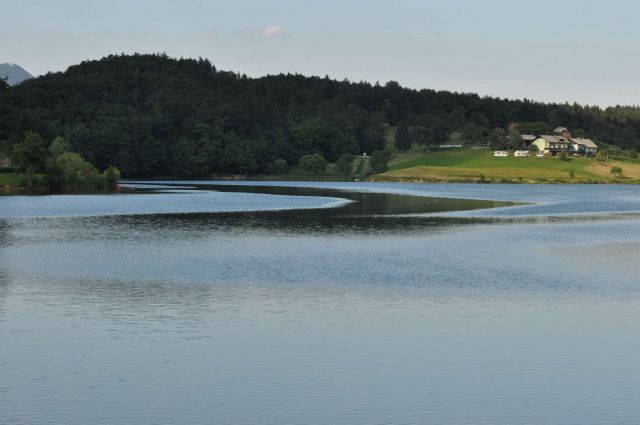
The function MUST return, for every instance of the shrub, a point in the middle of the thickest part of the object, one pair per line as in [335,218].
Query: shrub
[314,164]
[70,172]
[344,165]
[379,160]
[278,167]
[112,176]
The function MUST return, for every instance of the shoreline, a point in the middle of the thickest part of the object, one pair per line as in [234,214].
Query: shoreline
[381,178]
[14,190]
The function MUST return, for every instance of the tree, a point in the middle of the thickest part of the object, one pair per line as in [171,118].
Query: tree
[314,163]
[71,172]
[188,160]
[239,157]
[151,157]
[515,139]
[402,139]
[59,146]
[456,119]
[421,130]
[535,128]
[278,167]
[344,165]
[374,133]
[379,161]
[480,119]
[616,171]
[471,132]
[497,139]
[30,156]
[439,133]
[419,136]
[112,175]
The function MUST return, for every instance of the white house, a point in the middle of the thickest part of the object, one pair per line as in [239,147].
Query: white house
[585,147]
[553,144]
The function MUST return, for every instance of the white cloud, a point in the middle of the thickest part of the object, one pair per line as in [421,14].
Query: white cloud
[272,31]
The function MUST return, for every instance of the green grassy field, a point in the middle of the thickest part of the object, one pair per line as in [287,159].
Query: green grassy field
[10,179]
[476,164]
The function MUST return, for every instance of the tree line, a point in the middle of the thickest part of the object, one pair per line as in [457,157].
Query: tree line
[154,116]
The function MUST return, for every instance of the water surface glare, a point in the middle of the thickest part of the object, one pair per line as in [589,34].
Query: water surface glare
[316,303]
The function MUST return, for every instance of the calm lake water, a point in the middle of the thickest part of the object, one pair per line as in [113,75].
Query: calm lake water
[321,303]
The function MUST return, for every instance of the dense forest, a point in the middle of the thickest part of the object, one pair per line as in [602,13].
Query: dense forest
[151,116]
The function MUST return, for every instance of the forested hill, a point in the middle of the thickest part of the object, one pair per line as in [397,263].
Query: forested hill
[151,115]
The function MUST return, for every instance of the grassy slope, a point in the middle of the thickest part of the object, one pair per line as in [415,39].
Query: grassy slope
[469,164]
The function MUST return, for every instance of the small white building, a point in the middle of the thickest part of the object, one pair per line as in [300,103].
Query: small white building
[500,154]
[521,154]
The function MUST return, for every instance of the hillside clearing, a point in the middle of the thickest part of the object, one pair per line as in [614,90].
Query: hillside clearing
[472,165]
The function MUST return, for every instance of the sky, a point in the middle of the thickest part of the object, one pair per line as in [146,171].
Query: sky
[581,51]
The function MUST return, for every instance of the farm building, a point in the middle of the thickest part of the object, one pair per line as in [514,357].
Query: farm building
[552,144]
[528,139]
[584,147]
[557,144]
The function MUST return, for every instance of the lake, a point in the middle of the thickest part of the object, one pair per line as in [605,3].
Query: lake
[197,302]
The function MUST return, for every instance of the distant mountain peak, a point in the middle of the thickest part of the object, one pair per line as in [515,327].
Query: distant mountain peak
[15,74]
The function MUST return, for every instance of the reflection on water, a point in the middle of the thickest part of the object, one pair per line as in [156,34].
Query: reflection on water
[355,314]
